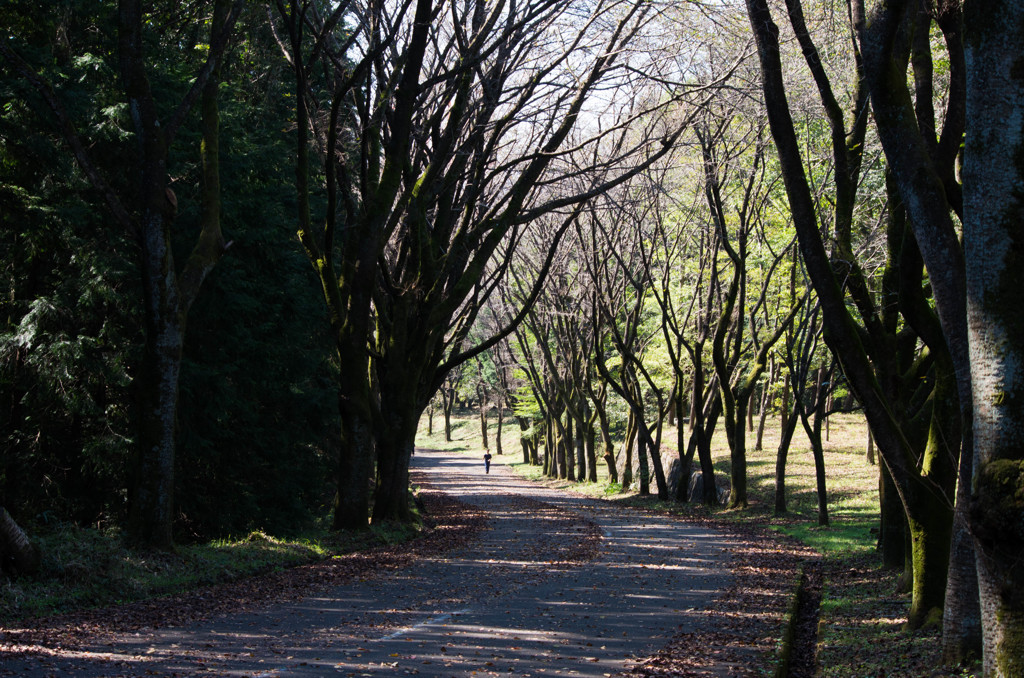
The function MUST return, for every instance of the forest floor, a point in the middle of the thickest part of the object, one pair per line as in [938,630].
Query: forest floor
[513,579]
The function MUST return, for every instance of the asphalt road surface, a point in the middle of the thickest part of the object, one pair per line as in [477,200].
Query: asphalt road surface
[516,601]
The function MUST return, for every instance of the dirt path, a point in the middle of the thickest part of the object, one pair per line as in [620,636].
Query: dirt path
[556,585]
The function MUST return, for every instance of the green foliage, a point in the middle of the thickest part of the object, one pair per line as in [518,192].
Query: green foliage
[257,411]
[257,405]
[68,328]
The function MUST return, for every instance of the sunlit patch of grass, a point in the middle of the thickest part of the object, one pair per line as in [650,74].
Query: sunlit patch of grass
[465,434]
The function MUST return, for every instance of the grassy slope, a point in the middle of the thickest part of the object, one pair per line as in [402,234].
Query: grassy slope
[84,567]
[862,615]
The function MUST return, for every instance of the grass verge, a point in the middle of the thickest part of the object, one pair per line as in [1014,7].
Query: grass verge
[85,568]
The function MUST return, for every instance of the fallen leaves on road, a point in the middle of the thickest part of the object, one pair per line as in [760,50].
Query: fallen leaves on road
[746,621]
[451,524]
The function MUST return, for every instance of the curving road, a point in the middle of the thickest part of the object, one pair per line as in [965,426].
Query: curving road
[517,601]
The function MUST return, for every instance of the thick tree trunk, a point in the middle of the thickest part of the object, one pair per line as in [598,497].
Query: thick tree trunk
[394,450]
[642,463]
[355,454]
[892,521]
[734,422]
[151,515]
[930,534]
[994,239]
[525,430]
[961,617]
[703,432]
[17,553]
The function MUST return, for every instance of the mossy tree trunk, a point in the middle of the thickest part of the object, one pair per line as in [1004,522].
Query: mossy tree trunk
[862,348]
[994,238]
[923,162]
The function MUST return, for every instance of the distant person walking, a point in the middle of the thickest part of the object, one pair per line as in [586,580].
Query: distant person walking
[487,461]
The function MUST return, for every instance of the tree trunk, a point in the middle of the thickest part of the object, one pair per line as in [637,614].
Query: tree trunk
[641,457]
[892,521]
[17,553]
[786,437]
[447,408]
[869,451]
[627,446]
[606,436]
[483,419]
[591,444]
[750,417]
[737,452]
[568,450]
[525,430]
[497,435]
[355,454]
[784,408]
[814,434]
[813,429]
[151,514]
[394,450]
[993,227]
[654,445]
[766,401]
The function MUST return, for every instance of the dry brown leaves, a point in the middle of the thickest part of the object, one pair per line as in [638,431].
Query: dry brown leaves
[451,523]
[745,623]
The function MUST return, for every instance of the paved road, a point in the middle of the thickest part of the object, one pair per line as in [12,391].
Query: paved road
[506,605]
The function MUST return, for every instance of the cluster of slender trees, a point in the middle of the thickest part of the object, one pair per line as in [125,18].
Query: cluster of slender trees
[627,210]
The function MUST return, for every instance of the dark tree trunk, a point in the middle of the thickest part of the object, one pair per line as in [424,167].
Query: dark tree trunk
[591,444]
[497,436]
[167,294]
[892,521]
[627,446]
[394,450]
[18,555]
[786,438]
[525,431]
[568,450]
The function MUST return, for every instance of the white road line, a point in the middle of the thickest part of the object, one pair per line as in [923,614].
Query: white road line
[437,619]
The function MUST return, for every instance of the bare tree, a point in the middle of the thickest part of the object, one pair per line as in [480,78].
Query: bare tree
[450,128]
[869,350]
